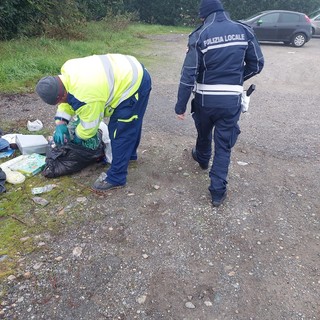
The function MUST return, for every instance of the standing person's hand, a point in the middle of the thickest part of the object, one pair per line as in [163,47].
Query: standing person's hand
[181,116]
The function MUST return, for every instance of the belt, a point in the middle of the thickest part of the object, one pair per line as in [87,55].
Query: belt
[218,89]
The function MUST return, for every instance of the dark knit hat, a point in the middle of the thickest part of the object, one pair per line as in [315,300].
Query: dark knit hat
[50,89]
[209,6]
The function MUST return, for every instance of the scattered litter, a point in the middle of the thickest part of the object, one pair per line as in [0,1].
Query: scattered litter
[82,199]
[12,277]
[34,125]
[190,305]
[41,201]
[29,165]
[11,162]
[11,138]
[241,163]
[7,153]
[77,251]
[142,299]
[32,143]
[39,190]
[14,177]
[24,239]
[106,140]
[3,257]
[38,265]
[70,158]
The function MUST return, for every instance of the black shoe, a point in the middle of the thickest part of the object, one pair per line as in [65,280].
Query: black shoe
[217,203]
[101,185]
[203,166]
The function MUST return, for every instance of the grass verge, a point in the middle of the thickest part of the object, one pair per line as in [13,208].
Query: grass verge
[22,219]
[25,61]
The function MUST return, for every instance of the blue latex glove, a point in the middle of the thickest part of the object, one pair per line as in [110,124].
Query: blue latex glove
[61,135]
[77,140]
[91,143]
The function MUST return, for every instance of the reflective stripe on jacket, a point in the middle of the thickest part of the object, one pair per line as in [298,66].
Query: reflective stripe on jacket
[220,52]
[96,85]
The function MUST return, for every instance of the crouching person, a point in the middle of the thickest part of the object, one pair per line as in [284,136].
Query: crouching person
[111,85]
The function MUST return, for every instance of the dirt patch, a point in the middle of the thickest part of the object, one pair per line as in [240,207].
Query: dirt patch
[157,249]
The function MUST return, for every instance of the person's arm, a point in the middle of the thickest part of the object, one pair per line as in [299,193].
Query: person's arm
[254,60]
[90,116]
[64,113]
[188,76]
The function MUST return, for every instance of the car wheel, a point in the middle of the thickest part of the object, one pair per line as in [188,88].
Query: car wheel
[298,40]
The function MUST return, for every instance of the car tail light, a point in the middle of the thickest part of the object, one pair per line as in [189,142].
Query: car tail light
[307,19]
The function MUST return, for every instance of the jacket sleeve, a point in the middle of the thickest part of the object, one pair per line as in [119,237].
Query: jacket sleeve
[90,116]
[64,112]
[188,74]
[254,60]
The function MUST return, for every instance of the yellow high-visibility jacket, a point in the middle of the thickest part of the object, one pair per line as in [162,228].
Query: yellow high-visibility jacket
[96,85]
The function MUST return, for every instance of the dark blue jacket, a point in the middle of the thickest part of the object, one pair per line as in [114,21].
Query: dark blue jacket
[220,52]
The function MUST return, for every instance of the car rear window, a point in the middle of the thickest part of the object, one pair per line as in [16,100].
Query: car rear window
[289,17]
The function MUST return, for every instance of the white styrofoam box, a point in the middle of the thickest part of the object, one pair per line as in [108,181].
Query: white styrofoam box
[31,143]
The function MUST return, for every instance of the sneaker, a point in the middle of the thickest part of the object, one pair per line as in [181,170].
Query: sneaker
[101,185]
[217,203]
[203,166]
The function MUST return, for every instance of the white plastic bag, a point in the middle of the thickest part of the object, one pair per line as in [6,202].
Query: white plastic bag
[245,100]
[35,125]
[106,140]
[13,177]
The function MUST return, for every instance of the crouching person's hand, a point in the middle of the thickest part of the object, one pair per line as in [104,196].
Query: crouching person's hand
[91,143]
[61,135]
[77,140]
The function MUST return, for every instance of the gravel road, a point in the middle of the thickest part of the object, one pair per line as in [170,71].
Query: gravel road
[157,249]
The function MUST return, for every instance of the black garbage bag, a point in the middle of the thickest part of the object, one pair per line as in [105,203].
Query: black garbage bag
[3,178]
[70,158]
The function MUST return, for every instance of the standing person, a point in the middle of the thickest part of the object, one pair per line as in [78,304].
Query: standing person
[94,87]
[221,55]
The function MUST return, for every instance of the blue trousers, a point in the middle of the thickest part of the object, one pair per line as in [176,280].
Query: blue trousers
[125,127]
[224,121]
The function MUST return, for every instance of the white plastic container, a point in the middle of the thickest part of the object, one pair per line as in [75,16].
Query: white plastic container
[29,144]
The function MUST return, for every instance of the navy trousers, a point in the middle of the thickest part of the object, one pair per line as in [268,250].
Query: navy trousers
[224,121]
[125,131]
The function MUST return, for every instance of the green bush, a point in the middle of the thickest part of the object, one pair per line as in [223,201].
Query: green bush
[55,18]
[65,19]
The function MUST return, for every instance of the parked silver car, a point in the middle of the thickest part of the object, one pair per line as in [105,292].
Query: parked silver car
[315,22]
